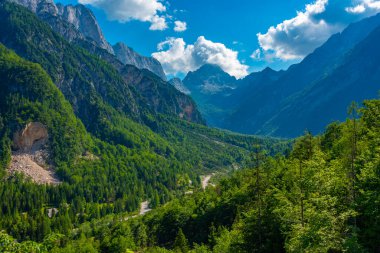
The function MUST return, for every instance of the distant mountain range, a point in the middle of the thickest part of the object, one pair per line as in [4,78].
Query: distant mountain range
[307,96]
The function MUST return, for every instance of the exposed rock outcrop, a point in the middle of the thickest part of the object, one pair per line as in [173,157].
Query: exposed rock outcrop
[31,154]
[82,19]
[127,55]
[177,83]
[32,133]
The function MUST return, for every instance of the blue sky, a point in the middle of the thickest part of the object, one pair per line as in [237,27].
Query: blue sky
[225,32]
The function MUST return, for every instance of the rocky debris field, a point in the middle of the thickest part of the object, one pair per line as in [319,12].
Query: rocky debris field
[31,156]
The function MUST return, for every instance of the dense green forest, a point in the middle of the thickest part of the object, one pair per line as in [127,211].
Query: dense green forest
[111,150]
[321,197]
[157,167]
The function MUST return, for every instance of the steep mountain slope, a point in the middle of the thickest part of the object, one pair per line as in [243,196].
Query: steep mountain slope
[94,87]
[256,115]
[178,84]
[209,80]
[78,24]
[82,19]
[128,56]
[96,176]
[219,95]
[356,79]
[211,87]
[160,95]
[257,85]
[28,94]
[286,103]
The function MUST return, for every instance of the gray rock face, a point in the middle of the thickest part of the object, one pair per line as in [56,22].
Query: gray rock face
[82,19]
[127,55]
[209,80]
[177,83]
[78,23]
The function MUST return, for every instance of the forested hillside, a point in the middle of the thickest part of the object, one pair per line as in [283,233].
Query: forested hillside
[97,177]
[99,156]
[321,197]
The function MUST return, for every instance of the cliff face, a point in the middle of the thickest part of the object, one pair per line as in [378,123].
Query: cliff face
[83,21]
[78,23]
[81,76]
[32,132]
[127,55]
[177,83]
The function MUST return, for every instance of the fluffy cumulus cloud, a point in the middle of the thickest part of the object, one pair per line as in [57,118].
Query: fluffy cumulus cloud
[178,57]
[180,26]
[296,37]
[368,7]
[127,10]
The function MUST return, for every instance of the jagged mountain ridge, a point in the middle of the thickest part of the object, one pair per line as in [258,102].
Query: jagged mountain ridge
[286,103]
[211,88]
[258,115]
[219,95]
[85,78]
[128,56]
[79,23]
[209,79]
[357,78]
[79,16]
[178,84]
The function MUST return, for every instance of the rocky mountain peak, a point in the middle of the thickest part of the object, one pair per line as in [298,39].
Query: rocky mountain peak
[127,55]
[79,16]
[209,79]
[84,20]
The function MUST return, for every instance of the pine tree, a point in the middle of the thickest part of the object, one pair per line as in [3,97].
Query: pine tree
[181,244]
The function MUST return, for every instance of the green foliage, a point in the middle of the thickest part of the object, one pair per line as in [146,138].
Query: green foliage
[181,244]
[302,202]
[99,177]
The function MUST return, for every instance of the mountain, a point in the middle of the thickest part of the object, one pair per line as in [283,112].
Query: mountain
[79,16]
[219,95]
[78,23]
[178,84]
[84,78]
[357,78]
[83,137]
[286,103]
[271,109]
[128,56]
[209,79]
[211,87]
[28,94]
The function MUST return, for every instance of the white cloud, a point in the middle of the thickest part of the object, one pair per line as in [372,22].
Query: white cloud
[127,10]
[158,23]
[178,57]
[360,8]
[256,55]
[180,26]
[295,38]
[369,7]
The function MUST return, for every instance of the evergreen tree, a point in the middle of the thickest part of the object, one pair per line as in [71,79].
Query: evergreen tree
[181,244]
